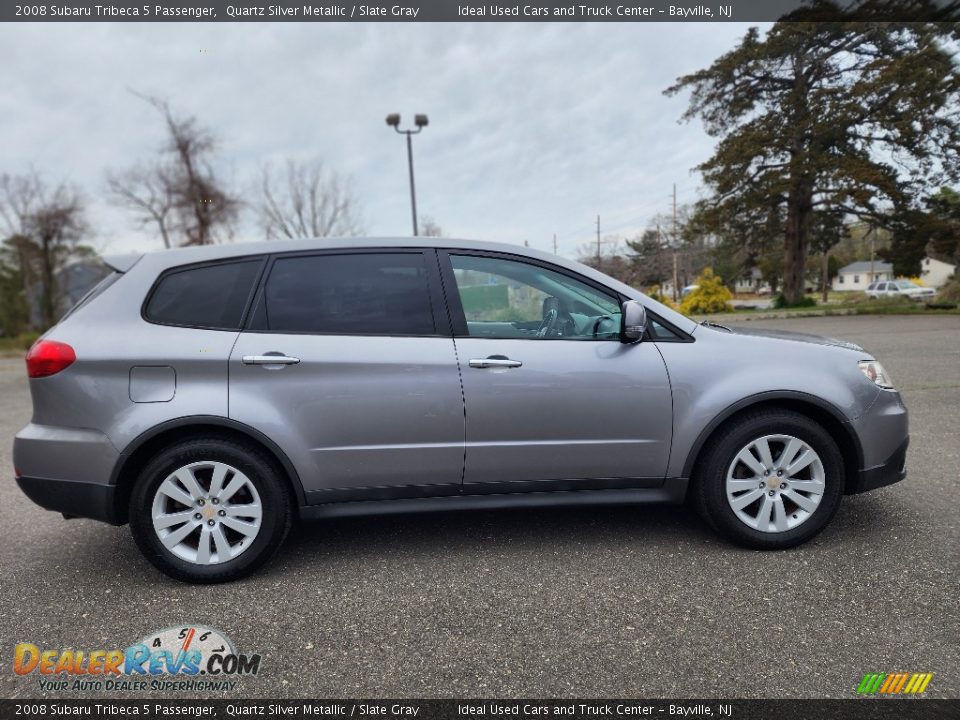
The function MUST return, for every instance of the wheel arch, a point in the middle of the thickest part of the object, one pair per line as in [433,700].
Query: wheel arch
[811,406]
[138,453]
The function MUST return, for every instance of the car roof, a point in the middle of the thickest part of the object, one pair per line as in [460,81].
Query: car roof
[184,255]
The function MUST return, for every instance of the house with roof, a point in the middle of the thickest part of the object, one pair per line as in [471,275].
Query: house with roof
[857,275]
[935,273]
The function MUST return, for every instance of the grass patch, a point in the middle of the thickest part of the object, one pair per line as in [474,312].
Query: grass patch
[864,307]
[18,343]
[898,309]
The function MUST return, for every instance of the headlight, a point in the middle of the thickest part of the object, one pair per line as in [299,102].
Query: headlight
[876,374]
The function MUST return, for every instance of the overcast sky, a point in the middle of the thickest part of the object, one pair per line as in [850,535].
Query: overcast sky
[534,129]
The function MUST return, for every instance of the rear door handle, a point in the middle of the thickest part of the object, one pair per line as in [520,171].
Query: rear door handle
[495,361]
[269,359]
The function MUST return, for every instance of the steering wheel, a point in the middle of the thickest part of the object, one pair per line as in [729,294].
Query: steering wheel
[549,324]
[598,322]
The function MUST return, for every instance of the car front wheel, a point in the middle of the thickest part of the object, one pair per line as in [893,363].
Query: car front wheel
[209,510]
[770,480]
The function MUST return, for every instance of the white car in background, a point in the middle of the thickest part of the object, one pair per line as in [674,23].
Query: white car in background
[900,288]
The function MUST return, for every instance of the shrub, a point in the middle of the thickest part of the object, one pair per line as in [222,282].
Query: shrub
[711,296]
[780,302]
[950,293]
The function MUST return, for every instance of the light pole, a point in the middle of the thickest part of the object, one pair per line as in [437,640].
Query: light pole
[393,120]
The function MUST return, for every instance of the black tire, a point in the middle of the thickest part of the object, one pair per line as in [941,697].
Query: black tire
[275,500]
[709,487]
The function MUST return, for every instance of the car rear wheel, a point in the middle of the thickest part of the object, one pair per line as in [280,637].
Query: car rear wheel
[770,480]
[209,510]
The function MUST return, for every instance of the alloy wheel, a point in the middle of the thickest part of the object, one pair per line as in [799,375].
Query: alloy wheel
[207,512]
[775,483]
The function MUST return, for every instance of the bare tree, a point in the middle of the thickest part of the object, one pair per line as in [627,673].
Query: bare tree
[429,227]
[614,258]
[180,193]
[148,192]
[44,229]
[306,200]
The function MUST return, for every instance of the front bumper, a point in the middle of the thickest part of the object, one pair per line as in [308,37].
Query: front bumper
[73,498]
[891,471]
[884,426]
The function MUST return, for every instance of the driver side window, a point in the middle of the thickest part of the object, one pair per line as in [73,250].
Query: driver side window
[504,298]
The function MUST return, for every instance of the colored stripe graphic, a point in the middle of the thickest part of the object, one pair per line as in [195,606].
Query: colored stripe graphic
[901,682]
[894,683]
[887,683]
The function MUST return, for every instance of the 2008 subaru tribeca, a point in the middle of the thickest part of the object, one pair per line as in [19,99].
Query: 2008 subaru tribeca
[209,395]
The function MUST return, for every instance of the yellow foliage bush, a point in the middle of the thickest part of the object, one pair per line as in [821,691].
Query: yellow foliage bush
[710,296]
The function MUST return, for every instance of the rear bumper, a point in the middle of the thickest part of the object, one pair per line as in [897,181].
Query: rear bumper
[51,451]
[66,470]
[72,498]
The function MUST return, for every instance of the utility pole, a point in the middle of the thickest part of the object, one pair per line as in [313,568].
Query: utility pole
[676,290]
[825,269]
[554,243]
[676,295]
[873,237]
[824,276]
[598,242]
[659,262]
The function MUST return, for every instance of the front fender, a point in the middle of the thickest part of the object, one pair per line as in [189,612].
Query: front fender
[721,374]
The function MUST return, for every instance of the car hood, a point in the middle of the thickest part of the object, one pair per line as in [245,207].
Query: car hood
[794,336]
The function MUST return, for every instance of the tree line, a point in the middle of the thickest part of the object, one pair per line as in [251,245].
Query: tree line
[178,194]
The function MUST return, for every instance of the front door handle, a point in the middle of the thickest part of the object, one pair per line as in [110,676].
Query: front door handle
[495,361]
[270,359]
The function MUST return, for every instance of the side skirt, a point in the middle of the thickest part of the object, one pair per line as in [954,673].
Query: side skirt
[672,491]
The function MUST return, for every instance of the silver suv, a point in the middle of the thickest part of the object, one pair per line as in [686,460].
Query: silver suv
[900,289]
[208,396]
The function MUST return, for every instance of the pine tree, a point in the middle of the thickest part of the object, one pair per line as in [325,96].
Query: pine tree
[850,118]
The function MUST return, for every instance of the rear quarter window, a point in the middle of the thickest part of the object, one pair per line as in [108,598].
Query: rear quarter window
[94,292]
[213,297]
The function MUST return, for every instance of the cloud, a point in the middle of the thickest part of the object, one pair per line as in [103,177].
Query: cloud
[534,128]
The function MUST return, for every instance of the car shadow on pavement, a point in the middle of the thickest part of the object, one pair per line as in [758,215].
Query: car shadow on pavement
[513,527]
[316,545]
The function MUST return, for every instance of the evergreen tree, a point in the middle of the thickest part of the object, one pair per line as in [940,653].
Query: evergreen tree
[850,118]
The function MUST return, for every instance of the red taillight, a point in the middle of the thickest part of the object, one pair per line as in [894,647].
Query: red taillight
[48,357]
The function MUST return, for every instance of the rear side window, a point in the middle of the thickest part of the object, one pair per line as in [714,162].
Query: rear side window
[207,296]
[94,292]
[361,294]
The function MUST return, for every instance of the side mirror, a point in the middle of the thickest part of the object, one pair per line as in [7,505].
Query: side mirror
[633,321]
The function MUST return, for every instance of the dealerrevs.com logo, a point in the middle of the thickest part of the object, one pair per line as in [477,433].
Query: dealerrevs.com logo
[186,658]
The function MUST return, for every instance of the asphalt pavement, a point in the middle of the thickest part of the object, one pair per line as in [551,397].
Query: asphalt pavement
[596,602]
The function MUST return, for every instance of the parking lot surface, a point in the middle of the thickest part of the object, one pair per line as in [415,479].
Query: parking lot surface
[595,602]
